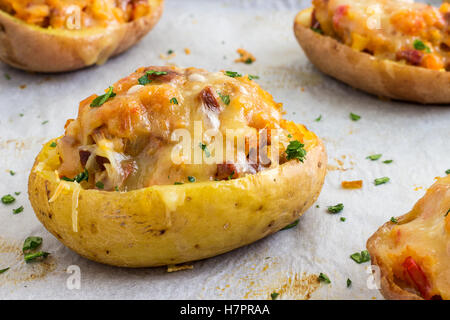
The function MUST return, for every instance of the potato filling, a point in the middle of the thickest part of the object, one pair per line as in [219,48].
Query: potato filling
[412,33]
[76,14]
[164,125]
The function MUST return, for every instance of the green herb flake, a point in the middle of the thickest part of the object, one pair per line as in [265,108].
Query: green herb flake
[324,278]
[53,144]
[30,257]
[7,76]
[354,116]
[318,30]
[420,45]
[4,270]
[16,193]
[7,199]
[251,77]
[349,283]
[21,114]
[177,183]
[233,74]
[447,171]
[448,211]
[343,219]
[231,175]
[388,161]
[382,180]
[18,210]
[82,176]
[292,225]
[31,243]
[374,157]
[318,118]
[103,98]
[336,209]
[274,295]
[11,172]
[144,80]
[191,179]
[361,257]
[295,151]
[100,185]
[44,122]
[174,101]
[170,51]
[394,220]
[225,98]
[116,188]
[205,149]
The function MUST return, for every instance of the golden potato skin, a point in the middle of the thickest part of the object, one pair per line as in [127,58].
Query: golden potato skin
[360,70]
[172,224]
[32,48]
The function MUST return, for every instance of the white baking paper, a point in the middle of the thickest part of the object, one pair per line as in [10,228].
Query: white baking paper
[416,137]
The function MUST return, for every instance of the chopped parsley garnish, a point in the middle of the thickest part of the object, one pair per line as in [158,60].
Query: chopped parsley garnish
[156,73]
[7,76]
[103,98]
[170,51]
[8,199]
[225,98]
[318,118]
[231,175]
[79,177]
[251,77]
[374,157]
[16,193]
[448,211]
[174,101]
[31,243]
[394,220]
[116,188]
[292,225]
[191,179]
[274,295]
[44,122]
[324,278]
[361,257]
[354,117]
[205,149]
[33,256]
[343,219]
[336,209]
[11,172]
[145,80]
[18,210]
[233,74]
[4,270]
[419,45]
[382,180]
[447,171]
[318,30]
[349,283]
[249,61]
[295,151]
[388,161]
[53,144]
[100,185]
[177,183]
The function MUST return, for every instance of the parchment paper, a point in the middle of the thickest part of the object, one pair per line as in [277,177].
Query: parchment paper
[416,137]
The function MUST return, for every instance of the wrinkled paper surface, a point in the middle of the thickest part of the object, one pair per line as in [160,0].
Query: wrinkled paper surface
[416,137]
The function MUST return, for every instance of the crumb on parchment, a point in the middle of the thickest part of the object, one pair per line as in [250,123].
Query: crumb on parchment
[245,56]
[179,267]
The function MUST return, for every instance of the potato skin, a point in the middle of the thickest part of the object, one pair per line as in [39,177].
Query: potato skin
[172,224]
[32,48]
[360,70]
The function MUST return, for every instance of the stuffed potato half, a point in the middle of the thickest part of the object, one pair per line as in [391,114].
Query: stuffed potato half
[43,42]
[406,57]
[158,213]
[412,251]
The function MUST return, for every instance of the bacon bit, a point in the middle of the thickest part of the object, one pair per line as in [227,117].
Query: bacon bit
[226,171]
[340,12]
[414,273]
[209,99]
[357,184]
[84,156]
[412,56]
[101,161]
[246,57]
[187,51]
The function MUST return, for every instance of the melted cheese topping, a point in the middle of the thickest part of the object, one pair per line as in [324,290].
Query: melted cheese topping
[129,142]
[389,29]
[76,14]
[425,236]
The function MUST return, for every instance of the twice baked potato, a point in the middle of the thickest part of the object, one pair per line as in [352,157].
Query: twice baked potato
[68,35]
[412,251]
[120,188]
[389,48]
